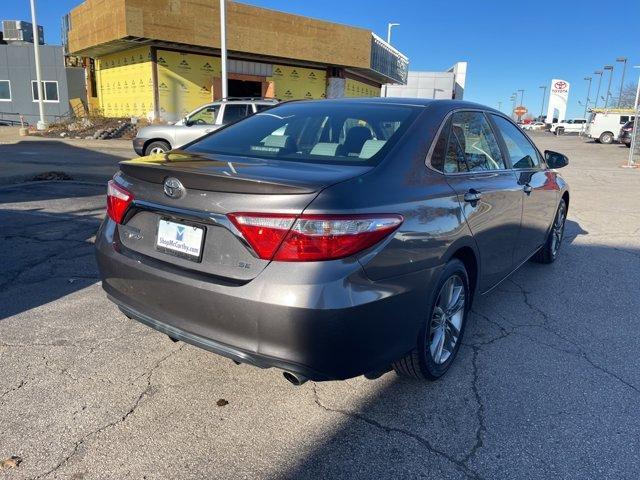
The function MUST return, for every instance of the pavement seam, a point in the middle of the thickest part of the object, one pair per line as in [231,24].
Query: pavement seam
[120,420]
[460,464]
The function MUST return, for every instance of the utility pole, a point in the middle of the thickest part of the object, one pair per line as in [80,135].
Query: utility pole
[610,68]
[521,97]
[598,72]
[586,103]
[500,106]
[389,27]
[223,46]
[41,125]
[624,70]
[544,96]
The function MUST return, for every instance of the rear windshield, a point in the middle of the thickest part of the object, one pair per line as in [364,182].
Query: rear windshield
[322,132]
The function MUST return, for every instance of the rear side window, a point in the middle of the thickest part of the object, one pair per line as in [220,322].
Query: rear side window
[234,112]
[470,143]
[521,152]
[322,132]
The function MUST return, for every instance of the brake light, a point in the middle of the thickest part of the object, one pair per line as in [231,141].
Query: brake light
[118,201]
[306,238]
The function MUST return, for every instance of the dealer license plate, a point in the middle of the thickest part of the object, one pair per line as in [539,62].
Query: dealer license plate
[181,240]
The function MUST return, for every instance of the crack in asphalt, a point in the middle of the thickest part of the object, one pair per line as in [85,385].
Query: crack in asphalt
[480,410]
[119,420]
[461,465]
[20,385]
[580,353]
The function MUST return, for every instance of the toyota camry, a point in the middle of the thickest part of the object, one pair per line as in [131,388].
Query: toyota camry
[332,238]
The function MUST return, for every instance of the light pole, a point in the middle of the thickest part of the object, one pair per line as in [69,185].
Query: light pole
[586,103]
[389,27]
[223,46]
[521,97]
[544,95]
[634,134]
[610,68]
[500,106]
[41,125]
[598,72]
[624,70]
[514,99]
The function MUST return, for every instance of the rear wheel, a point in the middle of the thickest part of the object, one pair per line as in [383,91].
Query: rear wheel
[606,138]
[159,146]
[440,337]
[560,131]
[549,251]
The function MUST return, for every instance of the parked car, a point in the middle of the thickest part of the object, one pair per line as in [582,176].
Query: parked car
[572,125]
[316,238]
[626,133]
[604,126]
[203,120]
[534,126]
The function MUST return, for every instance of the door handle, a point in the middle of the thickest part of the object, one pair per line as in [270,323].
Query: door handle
[527,189]
[208,130]
[472,196]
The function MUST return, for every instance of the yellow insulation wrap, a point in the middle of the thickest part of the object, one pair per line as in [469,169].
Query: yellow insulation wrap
[298,83]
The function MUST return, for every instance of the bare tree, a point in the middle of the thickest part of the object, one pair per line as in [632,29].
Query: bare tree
[628,96]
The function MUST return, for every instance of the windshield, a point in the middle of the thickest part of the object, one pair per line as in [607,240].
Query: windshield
[322,132]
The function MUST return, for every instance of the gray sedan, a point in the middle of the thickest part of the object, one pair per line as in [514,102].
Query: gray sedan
[332,238]
[203,120]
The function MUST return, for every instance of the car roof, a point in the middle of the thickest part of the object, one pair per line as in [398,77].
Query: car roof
[411,102]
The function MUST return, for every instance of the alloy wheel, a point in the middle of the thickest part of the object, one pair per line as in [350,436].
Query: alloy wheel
[446,321]
[557,231]
[155,150]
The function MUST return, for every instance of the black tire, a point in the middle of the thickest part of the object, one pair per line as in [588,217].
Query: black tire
[160,146]
[606,138]
[628,145]
[559,131]
[420,363]
[549,251]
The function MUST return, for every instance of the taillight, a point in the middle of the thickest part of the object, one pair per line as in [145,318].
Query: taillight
[306,238]
[118,201]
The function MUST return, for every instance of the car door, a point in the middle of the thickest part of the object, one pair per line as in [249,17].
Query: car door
[487,190]
[538,187]
[196,125]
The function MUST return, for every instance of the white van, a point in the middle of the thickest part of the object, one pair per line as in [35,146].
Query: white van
[604,125]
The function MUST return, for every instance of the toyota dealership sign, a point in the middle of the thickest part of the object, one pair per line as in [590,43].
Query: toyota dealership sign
[558,98]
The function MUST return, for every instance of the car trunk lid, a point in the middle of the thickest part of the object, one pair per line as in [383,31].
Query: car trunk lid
[213,187]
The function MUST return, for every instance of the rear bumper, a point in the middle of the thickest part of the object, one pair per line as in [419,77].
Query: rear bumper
[323,320]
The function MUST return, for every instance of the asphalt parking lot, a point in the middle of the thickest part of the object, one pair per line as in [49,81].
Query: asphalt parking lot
[547,384]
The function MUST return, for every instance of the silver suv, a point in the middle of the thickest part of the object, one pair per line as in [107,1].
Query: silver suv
[203,120]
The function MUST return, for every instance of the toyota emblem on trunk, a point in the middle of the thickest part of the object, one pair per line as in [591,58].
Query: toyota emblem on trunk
[173,188]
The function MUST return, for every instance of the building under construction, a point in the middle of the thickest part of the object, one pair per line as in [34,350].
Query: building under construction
[161,58]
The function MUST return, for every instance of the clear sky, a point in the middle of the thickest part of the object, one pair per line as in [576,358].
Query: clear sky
[509,44]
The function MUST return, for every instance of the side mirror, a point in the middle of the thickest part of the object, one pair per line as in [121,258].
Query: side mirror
[555,159]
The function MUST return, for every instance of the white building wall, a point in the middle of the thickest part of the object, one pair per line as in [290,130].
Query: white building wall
[438,85]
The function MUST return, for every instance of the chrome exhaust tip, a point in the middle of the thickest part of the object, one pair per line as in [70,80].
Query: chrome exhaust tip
[294,378]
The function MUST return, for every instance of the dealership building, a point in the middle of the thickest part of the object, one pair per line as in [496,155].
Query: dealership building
[161,59]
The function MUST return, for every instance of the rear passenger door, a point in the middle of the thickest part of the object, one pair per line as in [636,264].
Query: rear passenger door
[539,189]
[487,190]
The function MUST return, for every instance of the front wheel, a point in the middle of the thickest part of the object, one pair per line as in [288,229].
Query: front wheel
[441,335]
[158,146]
[549,251]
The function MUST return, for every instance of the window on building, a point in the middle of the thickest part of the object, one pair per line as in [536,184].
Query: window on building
[49,88]
[522,153]
[5,91]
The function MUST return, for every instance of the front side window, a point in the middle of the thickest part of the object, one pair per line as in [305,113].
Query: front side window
[49,89]
[204,116]
[322,132]
[521,152]
[624,119]
[5,91]
[470,145]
